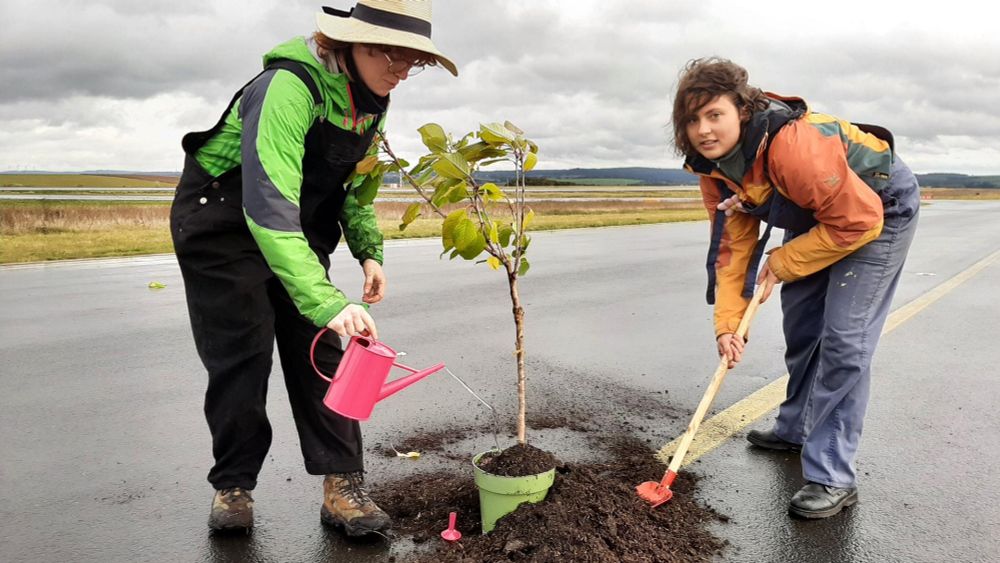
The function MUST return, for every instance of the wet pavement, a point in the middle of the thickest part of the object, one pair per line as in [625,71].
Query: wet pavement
[105,449]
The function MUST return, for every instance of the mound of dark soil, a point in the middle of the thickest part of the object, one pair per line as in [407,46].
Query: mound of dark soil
[592,513]
[517,461]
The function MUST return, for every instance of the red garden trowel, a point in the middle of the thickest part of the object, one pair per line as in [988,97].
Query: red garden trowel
[360,381]
[659,493]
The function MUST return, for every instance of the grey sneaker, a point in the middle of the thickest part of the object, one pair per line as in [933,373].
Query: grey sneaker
[232,509]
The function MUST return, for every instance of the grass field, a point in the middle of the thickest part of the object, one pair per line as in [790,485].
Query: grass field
[52,230]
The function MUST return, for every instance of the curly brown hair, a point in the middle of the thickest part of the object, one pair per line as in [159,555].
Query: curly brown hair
[329,46]
[703,80]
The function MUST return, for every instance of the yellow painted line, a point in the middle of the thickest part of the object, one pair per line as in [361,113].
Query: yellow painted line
[741,414]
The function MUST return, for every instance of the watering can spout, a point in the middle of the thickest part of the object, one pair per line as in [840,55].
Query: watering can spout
[403,382]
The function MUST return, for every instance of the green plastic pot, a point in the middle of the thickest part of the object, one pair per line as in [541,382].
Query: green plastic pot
[499,495]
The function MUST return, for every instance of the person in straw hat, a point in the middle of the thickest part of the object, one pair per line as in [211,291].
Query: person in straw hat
[262,202]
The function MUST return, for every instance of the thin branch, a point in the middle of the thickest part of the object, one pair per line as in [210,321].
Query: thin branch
[413,182]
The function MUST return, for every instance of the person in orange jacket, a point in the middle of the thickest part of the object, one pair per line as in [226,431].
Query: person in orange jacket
[848,206]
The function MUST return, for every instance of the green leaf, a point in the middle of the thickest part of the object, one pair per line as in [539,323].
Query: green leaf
[434,137]
[475,248]
[366,165]
[527,219]
[464,233]
[452,165]
[421,179]
[530,160]
[469,240]
[412,212]
[156,285]
[513,128]
[368,191]
[524,267]
[479,151]
[439,199]
[463,141]
[448,228]
[454,253]
[495,233]
[457,193]
[442,188]
[494,161]
[506,232]
[495,133]
[494,262]
[491,192]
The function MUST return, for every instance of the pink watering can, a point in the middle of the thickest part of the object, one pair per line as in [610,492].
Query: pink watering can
[360,381]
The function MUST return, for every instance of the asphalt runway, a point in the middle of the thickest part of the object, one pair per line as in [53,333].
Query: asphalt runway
[105,449]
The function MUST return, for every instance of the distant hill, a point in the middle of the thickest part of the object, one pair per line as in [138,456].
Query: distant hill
[949,180]
[598,176]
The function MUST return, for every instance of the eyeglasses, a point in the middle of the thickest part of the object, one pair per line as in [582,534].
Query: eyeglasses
[407,68]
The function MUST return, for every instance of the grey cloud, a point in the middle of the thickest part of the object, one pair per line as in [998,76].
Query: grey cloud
[590,81]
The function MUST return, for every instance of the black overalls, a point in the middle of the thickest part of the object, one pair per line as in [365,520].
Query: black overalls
[238,307]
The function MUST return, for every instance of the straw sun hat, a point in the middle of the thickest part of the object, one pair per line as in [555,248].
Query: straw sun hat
[399,23]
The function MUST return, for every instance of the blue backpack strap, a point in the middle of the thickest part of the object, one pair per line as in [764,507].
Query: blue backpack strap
[758,252]
[718,227]
[716,241]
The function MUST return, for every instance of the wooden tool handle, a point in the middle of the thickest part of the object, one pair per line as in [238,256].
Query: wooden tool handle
[714,385]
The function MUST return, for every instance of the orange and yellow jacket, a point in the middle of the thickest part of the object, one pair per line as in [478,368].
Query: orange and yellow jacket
[820,168]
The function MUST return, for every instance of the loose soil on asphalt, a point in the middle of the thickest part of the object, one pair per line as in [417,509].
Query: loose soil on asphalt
[592,512]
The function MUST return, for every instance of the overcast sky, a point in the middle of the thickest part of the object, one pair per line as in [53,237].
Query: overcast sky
[114,84]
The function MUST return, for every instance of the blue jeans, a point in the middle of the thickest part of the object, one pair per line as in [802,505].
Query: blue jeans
[832,321]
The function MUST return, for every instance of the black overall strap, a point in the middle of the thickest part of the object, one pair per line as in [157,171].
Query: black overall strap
[299,70]
[718,227]
[194,141]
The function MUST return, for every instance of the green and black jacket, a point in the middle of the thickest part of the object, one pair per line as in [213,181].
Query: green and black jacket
[265,133]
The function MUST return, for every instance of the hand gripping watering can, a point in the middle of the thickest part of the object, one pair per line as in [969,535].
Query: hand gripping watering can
[360,381]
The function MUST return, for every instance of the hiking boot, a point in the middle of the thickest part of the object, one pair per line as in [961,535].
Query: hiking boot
[346,504]
[769,441]
[232,509]
[816,500]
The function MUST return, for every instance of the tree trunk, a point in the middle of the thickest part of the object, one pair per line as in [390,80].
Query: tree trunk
[515,299]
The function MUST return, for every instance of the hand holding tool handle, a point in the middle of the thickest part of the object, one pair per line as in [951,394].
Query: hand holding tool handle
[713,387]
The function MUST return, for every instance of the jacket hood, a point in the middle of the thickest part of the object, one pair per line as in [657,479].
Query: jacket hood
[298,50]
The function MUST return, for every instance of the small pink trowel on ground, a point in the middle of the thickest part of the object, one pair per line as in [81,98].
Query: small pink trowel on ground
[451,535]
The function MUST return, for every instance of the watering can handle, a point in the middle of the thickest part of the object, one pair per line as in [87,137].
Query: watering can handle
[312,358]
[312,354]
